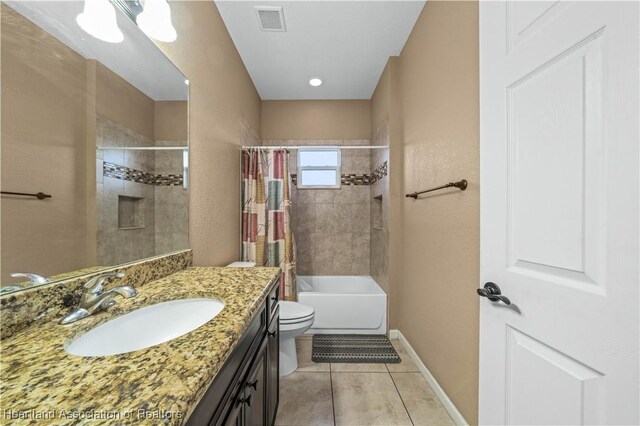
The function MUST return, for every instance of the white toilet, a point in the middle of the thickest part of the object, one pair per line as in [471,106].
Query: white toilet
[295,319]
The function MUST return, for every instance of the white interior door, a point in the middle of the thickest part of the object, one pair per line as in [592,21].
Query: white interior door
[559,212]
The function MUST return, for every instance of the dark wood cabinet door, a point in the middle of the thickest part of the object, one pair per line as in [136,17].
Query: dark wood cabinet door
[255,390]
[245,392]
[236,413]
[273,369]
[218,403]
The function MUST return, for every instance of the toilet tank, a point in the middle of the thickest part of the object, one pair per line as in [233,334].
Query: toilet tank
[241,265]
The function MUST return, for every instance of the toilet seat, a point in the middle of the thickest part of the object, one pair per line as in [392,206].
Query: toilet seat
[296,320]
[293,312]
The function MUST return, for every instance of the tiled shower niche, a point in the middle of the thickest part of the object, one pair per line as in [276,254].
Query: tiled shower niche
[131,212]
[141,203]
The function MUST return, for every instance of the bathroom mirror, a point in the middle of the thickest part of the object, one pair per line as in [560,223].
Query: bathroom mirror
[94,145]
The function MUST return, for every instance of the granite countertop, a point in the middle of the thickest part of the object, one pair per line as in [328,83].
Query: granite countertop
[40,382]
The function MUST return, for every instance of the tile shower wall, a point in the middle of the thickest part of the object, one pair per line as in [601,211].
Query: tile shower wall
[117,245]
[380,211]
[332,226]
[162,206]
[171,202]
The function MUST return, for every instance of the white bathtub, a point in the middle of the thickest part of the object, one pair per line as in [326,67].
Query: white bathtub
[344,304]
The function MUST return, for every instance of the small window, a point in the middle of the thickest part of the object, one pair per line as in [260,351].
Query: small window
[319,168]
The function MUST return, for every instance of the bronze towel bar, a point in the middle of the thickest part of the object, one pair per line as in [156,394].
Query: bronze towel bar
[461,185]
[39,195]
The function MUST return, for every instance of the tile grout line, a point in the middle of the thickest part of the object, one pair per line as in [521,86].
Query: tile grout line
[401,399]
[333,402]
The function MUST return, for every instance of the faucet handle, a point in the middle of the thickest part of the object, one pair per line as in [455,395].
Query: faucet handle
[94,285]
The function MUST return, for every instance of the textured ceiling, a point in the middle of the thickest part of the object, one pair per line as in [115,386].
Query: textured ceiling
[345,43]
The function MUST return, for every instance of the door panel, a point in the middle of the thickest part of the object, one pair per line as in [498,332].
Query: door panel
[533,366]
[559,212]
[555,158]
[236,414]
[525,18]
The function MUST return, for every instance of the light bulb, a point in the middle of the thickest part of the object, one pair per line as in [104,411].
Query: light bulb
[99,20]
[155,21]
[315,82]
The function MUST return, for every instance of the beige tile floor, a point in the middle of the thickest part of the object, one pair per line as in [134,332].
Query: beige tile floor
[357,394]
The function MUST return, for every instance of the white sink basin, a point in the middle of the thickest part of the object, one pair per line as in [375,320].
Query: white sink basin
[145,327]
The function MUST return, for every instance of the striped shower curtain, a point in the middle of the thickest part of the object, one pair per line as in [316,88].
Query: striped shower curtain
[266,214]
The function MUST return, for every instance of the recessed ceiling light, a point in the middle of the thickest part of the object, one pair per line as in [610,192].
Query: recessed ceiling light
[315,82]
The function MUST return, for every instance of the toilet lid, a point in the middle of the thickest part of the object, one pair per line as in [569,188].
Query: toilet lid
[294,310]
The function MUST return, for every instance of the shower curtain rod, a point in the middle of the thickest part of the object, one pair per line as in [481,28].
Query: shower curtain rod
[317,146]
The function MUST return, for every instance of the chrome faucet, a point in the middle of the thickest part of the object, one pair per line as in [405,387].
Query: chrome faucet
[33,278]
[94,299]
[10,288]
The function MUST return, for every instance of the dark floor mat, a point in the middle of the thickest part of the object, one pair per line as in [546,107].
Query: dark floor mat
[354,348]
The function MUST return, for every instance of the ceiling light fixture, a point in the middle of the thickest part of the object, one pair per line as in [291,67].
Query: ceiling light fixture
[99,20]
[155,21]
[315,82]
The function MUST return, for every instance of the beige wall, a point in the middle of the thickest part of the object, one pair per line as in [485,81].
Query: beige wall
[121,102]
[171,120]
[221,95]
[43,149]
[381,98]
[318,120]
[434,303]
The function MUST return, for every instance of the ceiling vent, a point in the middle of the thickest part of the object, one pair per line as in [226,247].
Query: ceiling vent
[270,18]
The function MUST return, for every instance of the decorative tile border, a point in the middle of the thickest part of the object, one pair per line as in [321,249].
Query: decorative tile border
[355,179]
[117,171]
[379,172]
[125,173]
[168,180]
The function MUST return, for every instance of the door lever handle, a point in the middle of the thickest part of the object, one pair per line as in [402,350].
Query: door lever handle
[492,292]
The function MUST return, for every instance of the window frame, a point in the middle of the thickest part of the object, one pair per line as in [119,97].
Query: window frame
[337,168]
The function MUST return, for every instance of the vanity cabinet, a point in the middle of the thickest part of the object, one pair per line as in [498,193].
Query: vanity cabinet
[245,391]
[273,368]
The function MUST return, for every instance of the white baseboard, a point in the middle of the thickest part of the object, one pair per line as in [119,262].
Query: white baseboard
[448,405]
